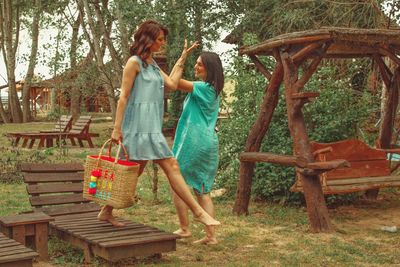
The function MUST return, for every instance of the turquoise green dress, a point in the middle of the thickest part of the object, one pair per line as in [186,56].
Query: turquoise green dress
[196,142]
[143,119]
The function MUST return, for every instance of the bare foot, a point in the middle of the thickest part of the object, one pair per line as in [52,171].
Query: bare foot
[183,233]
[206,241]
[107,216]
[206,219]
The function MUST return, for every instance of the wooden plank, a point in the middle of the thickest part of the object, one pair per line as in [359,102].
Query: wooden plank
[74,217]
[71,209]
[18,257]
[364,180]
[48,167]
[361,169]
[54,188]
[41,234]
[116,231]
[351,150]
[342,189]
[86,234]
[133,233]
[23,219]
[12,251]
[139,240]
[98,228]
[16,248]
[57,199]
[272,158]
[53,177]
[7,243]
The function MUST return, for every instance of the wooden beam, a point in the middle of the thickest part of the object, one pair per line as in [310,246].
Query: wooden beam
[315,201]
[255,49]
[255,137]
[305,95]
[328,165]
[383,69]
[303,53]
[311,69]
[389,54]
[261,68]
[273,158]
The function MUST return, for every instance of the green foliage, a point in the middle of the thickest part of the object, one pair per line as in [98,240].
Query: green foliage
[339,108]
[11,158]
[337,114]
[273,17]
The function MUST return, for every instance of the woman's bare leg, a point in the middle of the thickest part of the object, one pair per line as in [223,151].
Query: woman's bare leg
[178,184]
[105,213]
[207,204]
[183,216]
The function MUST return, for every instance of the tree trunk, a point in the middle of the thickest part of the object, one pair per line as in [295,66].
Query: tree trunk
[255,138]
[27,116]
[11,17]
[99,54]
[124,34]
[75,90]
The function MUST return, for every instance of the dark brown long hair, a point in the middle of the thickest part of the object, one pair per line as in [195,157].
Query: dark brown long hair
[215,71]
[144,38]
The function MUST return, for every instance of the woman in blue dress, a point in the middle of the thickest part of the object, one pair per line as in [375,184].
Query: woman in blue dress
[196,142]
[139,115]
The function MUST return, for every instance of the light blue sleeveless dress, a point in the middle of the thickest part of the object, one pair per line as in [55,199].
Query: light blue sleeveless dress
[196,142]
[143,119]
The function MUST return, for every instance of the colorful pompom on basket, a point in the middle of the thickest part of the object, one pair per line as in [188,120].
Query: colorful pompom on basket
[109,180]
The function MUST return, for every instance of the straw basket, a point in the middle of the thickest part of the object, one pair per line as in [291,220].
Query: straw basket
[110,181]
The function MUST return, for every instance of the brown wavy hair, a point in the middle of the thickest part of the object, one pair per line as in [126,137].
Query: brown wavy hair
[144,38]
[215,72]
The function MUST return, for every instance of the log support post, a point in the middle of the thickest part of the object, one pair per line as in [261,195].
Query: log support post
[392,84]
[315,201]
[255,138]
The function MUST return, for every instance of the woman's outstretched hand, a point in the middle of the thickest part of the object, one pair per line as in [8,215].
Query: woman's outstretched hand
[116,135]
[186,51]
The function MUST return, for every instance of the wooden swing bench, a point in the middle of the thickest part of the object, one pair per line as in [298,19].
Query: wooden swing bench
[369,167]
[56,190]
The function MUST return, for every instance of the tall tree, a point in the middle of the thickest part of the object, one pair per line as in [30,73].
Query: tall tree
[98,30]
[32,60]
[10,28]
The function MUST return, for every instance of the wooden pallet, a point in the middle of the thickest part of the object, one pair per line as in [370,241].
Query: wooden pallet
[76,218]
[14,254]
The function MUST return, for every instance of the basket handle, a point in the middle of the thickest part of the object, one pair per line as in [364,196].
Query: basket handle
[120,145]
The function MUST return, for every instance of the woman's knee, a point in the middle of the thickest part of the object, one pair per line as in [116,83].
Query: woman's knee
[169,165]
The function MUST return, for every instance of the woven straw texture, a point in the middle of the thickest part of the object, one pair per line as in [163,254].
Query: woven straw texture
[117,183]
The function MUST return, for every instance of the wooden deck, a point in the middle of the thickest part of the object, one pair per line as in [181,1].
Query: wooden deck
[76,218]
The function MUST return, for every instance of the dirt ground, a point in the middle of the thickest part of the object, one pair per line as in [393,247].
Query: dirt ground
[370,214]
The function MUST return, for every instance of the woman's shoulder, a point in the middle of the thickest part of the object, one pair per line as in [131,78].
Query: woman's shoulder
[134,61]
[202,85]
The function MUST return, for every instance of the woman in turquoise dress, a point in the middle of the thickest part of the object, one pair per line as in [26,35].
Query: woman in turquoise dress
[139,115]
[196,142]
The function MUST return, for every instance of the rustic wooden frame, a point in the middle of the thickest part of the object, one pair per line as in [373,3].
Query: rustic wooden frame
[290,51]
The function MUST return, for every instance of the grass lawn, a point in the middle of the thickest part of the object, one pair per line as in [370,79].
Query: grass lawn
[272,235]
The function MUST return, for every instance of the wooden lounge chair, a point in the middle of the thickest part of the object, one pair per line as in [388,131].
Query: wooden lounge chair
[56,189]
[63,125]
[13,254]
[80,131]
